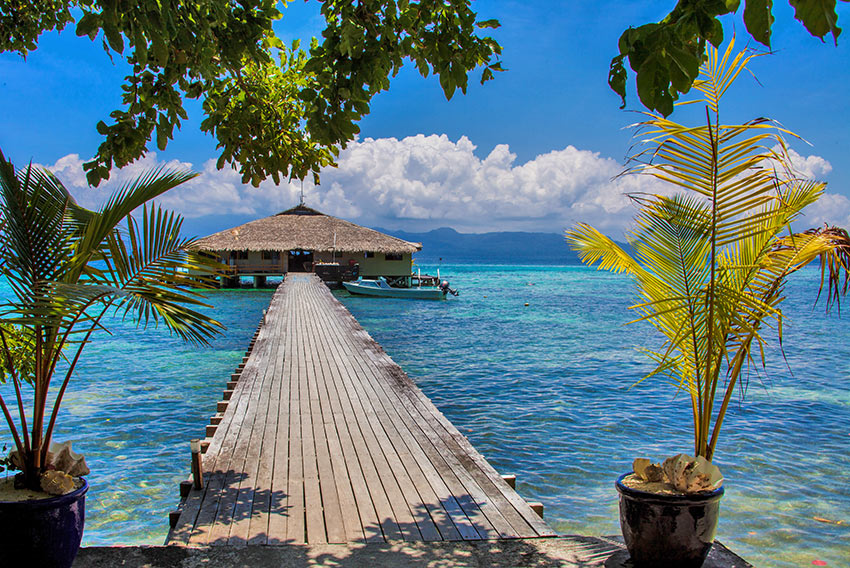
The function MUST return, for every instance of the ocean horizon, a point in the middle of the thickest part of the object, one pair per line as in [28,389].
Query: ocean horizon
[537,367]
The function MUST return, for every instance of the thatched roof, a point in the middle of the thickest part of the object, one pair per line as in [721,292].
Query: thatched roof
[303,228]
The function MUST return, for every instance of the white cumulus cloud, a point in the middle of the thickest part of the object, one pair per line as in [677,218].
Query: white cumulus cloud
[809,167]
[424,182]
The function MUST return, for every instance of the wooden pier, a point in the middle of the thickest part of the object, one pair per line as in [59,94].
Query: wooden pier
[324,439]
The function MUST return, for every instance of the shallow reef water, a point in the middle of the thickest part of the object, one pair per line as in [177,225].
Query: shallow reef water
[546,391]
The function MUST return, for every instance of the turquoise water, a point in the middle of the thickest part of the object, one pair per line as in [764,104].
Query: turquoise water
[543,391]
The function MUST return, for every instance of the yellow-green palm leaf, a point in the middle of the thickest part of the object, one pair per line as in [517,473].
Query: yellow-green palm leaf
[710,263]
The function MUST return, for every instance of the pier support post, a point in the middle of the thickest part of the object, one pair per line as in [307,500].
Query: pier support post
[259,281]
[537,507]
[197,466]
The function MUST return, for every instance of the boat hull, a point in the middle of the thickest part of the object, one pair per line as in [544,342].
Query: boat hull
[389,292]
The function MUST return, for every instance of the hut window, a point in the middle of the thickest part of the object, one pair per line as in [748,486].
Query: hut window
[271,255]
[392,256]
[239,255]
[370,255]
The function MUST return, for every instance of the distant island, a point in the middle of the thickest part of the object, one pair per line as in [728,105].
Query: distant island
[449,246]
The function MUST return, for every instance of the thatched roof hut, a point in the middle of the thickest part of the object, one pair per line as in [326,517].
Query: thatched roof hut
[303,228]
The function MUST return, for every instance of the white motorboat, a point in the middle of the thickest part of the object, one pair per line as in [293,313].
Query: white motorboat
[381,287]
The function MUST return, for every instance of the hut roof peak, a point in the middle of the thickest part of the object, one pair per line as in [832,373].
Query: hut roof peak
[301,209]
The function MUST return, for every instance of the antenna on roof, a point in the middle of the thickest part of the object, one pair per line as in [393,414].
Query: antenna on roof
[302,192]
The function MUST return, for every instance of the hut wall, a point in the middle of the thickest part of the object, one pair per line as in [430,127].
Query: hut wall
[379,266]
[254,263]
[370,267]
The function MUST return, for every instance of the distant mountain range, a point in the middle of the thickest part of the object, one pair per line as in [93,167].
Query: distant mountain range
[489,248]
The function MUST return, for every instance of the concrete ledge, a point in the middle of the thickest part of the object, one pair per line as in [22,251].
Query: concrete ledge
[564,552]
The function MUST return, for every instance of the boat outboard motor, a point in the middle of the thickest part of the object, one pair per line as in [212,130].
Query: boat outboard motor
[444,286]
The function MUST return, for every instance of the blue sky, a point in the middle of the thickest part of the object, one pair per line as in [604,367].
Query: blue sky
[533,150]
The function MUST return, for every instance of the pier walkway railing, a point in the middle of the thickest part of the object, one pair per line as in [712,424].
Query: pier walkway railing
[326,440]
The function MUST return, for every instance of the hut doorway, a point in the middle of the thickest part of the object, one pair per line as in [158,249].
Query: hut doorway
[300,261]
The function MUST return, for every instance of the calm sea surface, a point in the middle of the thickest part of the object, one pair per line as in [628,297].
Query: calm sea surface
[543,391]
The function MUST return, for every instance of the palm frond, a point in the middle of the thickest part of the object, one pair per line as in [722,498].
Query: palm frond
[68,266]
[150,274]
[33,241]
[710,264]
[92,230]
[592,247]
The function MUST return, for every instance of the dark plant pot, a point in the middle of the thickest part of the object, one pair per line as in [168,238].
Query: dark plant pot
[43,532]
[668,531]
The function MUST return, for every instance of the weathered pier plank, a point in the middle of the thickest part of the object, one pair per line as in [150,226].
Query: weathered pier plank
[326,440]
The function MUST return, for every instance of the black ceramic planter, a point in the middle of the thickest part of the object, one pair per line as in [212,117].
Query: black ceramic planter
[46,532]
[668,531]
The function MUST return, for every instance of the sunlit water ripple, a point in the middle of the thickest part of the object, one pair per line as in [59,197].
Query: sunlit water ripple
[543,391]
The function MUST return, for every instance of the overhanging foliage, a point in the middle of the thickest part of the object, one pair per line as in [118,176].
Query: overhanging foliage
[666,56]
[274,109]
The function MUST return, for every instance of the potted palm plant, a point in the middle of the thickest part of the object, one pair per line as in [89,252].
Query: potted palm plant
[709,260]
[67,268]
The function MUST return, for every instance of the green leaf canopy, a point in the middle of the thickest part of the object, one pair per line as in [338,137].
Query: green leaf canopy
[666,56]
[275,110]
